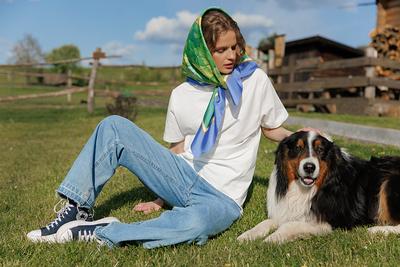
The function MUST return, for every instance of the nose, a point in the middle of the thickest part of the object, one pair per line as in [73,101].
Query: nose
[231,53]
[309,167]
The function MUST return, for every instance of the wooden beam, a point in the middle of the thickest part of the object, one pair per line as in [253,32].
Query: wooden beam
[42,95]
[378,81]
[320,84]
[315,101]
[338,64]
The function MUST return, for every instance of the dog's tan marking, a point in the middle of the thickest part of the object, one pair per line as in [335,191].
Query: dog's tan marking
[323,171]
[383,216]
[317,144]
[291,169]
[300,143]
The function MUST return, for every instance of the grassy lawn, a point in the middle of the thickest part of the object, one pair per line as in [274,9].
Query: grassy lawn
[39,141]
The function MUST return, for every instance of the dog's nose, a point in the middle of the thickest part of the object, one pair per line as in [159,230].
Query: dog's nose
[309,167]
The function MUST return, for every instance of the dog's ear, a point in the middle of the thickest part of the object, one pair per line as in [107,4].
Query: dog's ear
[280,150]
[281,168]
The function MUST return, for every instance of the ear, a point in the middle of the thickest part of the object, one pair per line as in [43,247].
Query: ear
[281,169]
[340,166]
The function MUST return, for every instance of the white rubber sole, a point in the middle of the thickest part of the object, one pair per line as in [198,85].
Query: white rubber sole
[64,234]
[36,237]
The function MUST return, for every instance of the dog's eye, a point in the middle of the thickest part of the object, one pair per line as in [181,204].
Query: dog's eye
[298,149]
[319,150]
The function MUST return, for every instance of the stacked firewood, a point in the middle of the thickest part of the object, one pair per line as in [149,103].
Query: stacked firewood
[387,43]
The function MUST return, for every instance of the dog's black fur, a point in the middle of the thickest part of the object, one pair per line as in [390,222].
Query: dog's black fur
[352,190]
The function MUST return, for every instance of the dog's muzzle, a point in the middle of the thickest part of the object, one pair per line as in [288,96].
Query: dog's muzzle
[308,171]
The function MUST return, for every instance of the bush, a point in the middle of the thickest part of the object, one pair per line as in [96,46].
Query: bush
[124,106]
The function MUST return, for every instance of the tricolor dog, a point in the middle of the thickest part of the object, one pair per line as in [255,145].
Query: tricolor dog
[316,186]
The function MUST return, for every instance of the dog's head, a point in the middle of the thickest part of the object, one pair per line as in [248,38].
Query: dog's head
[303,157]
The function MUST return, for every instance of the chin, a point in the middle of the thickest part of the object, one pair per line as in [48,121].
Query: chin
[226,71]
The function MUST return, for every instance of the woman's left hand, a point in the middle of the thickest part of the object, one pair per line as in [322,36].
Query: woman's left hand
[149,207]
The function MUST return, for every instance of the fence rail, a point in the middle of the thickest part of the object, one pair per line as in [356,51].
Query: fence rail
[337,64]
[311,83]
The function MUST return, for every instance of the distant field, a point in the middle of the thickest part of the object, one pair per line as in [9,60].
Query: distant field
[39,140]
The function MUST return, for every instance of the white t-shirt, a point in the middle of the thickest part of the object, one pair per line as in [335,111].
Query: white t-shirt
[230,165]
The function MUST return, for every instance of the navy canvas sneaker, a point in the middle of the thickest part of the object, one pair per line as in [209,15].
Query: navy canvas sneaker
[66,214]
[81,230]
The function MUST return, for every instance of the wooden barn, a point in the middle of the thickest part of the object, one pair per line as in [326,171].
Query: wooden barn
[307,52]
[317,73]
[387,13]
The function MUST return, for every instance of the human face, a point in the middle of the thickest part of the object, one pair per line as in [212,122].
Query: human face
[225,52]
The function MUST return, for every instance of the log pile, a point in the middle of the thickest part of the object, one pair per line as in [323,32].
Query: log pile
[387,43]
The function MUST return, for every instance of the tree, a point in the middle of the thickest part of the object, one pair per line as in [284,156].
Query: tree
[27,50]
[64,52]
[267,42]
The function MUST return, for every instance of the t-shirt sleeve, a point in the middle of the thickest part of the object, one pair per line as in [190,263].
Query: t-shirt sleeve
[172,132]
[274,113]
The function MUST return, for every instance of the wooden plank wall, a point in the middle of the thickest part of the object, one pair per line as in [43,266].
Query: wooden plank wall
[388,13]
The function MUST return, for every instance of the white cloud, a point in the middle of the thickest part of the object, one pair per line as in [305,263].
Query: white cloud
[252,21]
[115,48]
[170,30]
[253,26]
[175,30]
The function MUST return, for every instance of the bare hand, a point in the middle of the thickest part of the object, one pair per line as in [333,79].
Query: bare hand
[149,207]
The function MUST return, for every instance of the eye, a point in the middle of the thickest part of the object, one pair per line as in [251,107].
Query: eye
[298,149]
[220,50]
[319,150]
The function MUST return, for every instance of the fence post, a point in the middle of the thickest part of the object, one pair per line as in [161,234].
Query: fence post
[69,85]
[369,91]
[97,55]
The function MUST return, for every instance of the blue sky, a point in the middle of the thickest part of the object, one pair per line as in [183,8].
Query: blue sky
[154,31]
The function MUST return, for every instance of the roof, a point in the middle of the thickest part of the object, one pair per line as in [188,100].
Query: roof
[320,43]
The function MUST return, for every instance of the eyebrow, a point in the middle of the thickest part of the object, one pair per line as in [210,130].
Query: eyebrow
[224,47]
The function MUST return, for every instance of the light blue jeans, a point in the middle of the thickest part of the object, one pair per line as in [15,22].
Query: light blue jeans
[199,210]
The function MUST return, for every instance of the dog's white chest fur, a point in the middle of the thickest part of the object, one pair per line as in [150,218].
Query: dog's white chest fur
[295,205]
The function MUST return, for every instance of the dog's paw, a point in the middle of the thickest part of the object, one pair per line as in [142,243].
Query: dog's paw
[246,236]
[275,238]
[385,230]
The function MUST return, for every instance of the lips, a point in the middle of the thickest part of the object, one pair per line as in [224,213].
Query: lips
[228,66]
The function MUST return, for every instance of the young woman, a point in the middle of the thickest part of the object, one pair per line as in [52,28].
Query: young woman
[214,123]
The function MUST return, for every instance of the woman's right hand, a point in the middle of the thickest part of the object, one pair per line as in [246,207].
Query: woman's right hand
[148,207]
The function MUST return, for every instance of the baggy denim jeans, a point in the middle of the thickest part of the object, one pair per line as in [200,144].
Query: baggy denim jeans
[199,210]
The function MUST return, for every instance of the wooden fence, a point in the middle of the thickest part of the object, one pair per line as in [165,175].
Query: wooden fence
[330,91]
[62,78]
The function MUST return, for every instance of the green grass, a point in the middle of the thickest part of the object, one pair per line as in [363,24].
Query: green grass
[39,140]
[37,147]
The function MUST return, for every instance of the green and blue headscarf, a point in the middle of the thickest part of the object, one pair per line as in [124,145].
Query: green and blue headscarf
[200,69]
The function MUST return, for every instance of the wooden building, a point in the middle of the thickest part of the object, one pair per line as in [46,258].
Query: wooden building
[388,13]
[317,73]
[313,50]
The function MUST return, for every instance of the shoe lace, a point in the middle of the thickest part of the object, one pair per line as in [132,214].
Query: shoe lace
[66,207]
[87,235]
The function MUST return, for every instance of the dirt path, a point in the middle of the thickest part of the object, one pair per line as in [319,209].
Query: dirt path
[354,131]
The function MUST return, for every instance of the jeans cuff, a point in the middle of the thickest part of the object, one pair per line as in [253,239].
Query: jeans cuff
[71,192]
[99,233]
